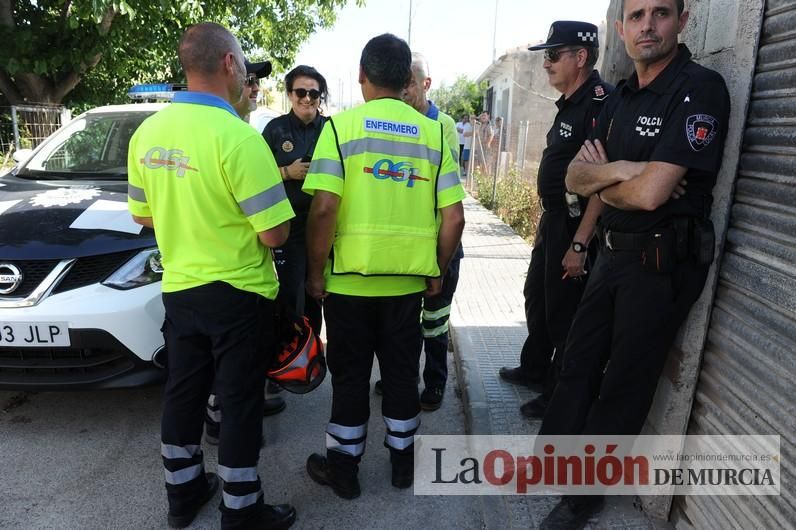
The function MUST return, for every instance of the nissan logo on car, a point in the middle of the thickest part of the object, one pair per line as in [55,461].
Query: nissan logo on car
[10,278]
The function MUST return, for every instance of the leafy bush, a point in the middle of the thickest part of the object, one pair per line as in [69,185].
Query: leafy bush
[515,202]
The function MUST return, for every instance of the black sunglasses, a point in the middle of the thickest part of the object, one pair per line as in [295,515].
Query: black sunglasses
[252,80]
[302,93]
[554,54]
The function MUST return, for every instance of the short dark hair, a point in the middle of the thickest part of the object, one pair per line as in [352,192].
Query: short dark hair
[203,46]
[387,62]
[303,70]
[593,54]
[680,8]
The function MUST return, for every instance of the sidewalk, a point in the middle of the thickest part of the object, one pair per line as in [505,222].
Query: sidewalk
[488,329]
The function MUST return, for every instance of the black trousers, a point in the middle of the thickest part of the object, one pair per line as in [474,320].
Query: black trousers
[357,328]
[291,266]
[215,332]
[625,325]
[550,301]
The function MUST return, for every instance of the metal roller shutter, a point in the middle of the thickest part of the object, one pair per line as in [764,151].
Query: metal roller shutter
[746,384]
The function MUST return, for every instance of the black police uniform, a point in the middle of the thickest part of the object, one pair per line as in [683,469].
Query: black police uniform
[291,139]
[647,274]
[550,301]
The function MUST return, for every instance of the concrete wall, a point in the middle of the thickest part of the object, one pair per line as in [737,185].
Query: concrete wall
[616,65]
[532,101]
[722,35]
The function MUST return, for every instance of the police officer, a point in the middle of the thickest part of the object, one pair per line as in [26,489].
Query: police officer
[381,176]
[557,272]
[292,138]
[654,162]
[208,185]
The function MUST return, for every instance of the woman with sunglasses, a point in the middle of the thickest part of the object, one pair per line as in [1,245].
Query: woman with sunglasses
[292,139]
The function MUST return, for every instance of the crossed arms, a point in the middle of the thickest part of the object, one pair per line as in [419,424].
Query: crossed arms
[623,184]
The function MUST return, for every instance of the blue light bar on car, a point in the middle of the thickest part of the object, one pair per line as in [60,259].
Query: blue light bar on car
[154,91]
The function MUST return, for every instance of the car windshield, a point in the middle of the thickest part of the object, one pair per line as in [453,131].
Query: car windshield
[94,146]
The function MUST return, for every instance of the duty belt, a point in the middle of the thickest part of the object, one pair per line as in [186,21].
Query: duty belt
[552,204]
[625,241]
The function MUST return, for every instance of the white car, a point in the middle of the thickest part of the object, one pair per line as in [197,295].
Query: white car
[80,303]
[259,118]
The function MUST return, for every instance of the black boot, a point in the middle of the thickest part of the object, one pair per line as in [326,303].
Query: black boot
[403,469]
[338,471]
[573,512]
[518,376]
[274,405]
[186,517]
[535,408]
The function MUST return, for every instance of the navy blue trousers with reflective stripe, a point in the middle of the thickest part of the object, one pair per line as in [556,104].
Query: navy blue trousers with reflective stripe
[357,328]
[215,332]
[436,314]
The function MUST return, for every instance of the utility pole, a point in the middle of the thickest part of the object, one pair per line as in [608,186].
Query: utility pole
[410,23]
[494,34]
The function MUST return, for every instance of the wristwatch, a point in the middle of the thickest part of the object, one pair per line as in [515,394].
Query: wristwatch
[578,247]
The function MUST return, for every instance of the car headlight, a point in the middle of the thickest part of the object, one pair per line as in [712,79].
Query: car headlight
[142,269]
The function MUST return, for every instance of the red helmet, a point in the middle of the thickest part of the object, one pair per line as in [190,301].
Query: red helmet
[299,365]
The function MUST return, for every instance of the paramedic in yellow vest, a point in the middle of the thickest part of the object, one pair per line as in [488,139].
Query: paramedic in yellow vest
[381,174]
[207,183]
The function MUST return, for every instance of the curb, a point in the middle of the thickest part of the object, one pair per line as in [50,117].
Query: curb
[476,419]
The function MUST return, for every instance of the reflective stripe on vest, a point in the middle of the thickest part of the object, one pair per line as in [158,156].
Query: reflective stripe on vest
[264,200]
[390,148]
[327,166]
[137,194]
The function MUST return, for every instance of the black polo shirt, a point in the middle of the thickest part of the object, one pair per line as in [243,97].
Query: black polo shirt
[680,118]
[290,139]
[573,124]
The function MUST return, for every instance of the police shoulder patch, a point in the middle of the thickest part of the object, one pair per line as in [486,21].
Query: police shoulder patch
[599,93]
[701,129]
[287,146]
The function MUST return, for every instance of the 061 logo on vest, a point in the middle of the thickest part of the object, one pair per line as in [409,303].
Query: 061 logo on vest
[171,159]
[397,171]
[701,129]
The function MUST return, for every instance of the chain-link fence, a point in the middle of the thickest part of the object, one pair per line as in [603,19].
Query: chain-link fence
[498,150]
[501,171]
[26,126]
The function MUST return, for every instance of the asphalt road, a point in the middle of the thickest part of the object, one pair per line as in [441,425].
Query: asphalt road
[92,460]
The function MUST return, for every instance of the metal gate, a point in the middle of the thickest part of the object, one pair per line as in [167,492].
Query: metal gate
[748,377]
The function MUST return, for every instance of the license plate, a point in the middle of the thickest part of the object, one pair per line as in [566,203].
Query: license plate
[34,334]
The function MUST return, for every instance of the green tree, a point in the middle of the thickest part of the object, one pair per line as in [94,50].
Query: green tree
[50,47]
[462,97]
